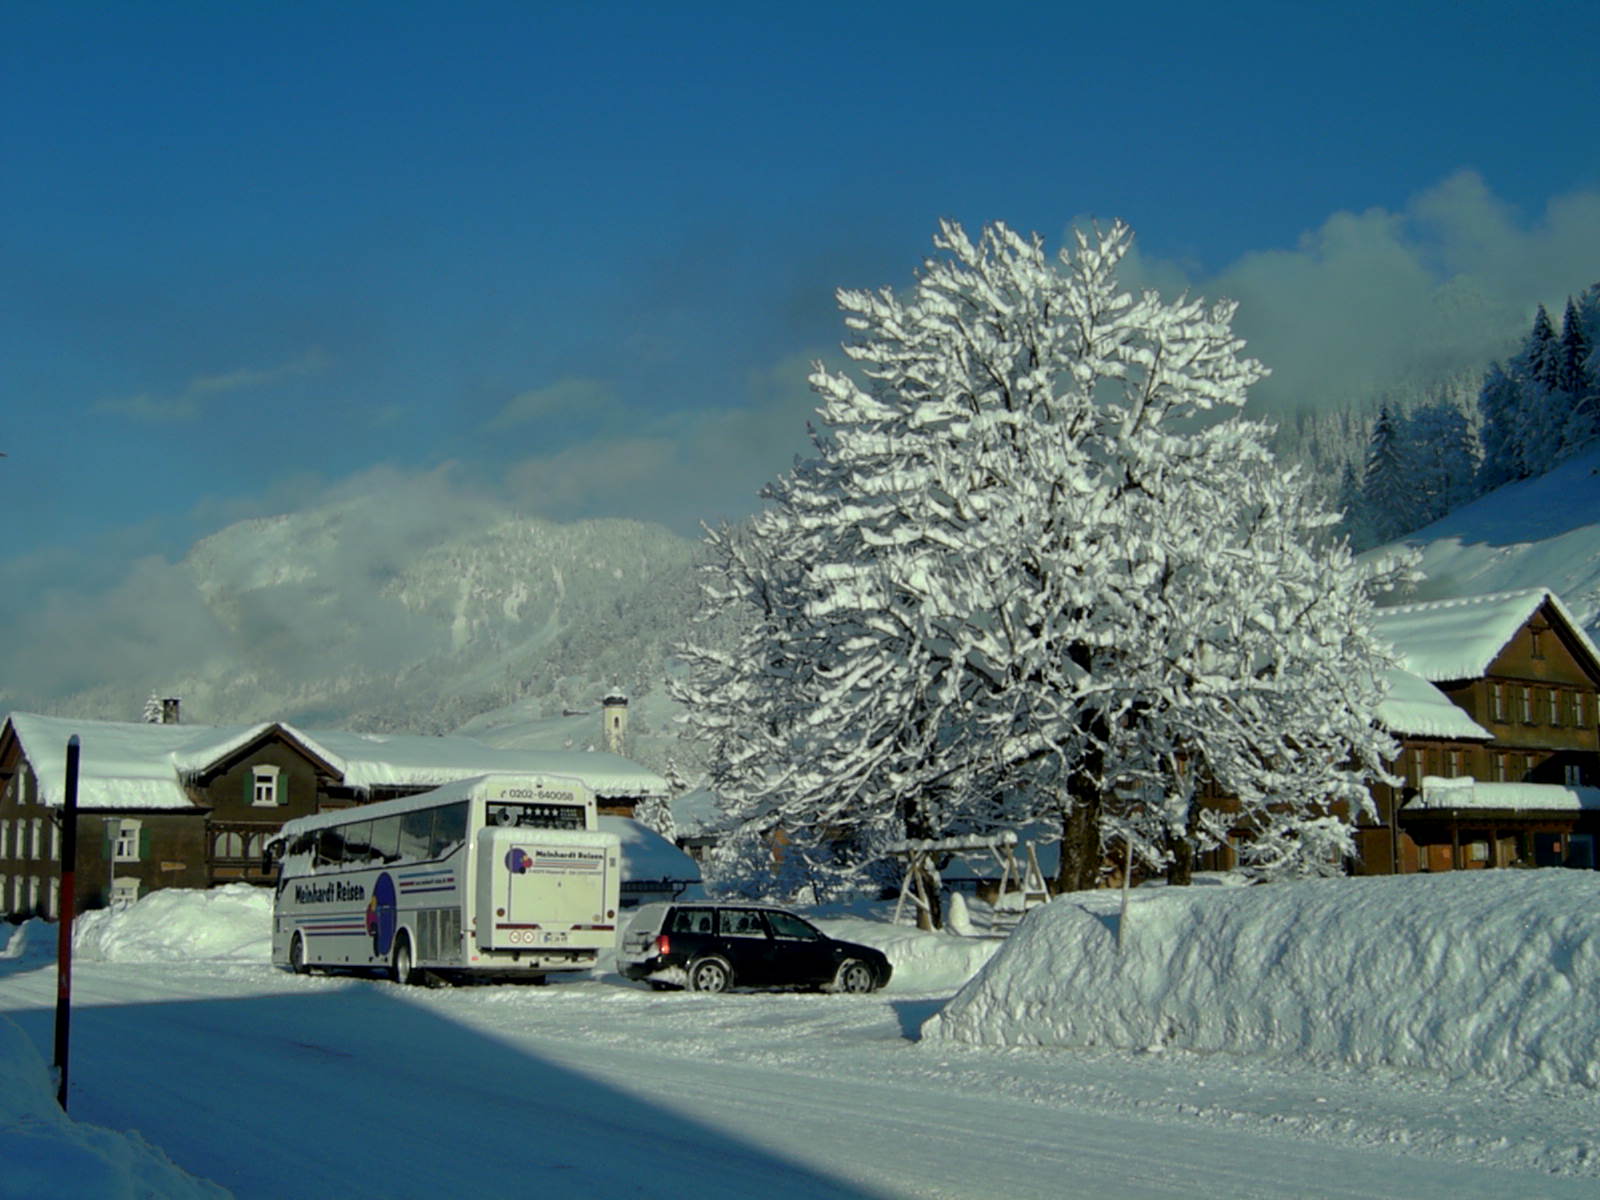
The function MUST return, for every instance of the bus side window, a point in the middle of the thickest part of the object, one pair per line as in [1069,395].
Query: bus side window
[385,839]
[357,843]
[330,848]
[449,829]
[416,834]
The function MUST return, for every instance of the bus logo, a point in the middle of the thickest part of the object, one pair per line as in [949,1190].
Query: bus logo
[381,915]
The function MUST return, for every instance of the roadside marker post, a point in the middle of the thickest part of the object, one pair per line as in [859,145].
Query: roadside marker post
[69,862]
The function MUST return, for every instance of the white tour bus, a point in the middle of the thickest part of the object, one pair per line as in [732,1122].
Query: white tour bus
[498,876]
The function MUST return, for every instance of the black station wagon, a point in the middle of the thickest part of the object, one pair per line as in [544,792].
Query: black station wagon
[708,947]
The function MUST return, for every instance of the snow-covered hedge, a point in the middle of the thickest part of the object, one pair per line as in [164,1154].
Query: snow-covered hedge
[1490,973]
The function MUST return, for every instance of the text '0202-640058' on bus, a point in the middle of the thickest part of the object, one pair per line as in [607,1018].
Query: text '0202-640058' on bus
[498,877]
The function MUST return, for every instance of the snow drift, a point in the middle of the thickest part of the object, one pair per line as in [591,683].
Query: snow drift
[229,923]
[1492,973]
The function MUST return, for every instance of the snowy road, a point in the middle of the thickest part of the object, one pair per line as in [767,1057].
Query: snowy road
[275,1085]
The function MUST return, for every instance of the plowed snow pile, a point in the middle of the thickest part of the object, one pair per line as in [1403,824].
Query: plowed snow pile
[232,923]
[1489,973]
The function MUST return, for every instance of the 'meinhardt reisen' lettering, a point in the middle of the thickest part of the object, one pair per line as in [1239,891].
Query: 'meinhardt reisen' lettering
[328,893]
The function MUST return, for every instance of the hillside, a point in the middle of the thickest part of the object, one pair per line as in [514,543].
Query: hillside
[1541,531]
[329,616]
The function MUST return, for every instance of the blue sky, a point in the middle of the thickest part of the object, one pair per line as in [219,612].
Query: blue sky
[578,257]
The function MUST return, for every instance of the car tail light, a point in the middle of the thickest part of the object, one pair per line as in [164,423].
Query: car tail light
[663,944]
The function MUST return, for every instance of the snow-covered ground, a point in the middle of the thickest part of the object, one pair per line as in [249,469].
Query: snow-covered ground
[1247,1042]
[1536,532]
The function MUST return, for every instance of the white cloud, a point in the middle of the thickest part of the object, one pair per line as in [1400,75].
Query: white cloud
[191,400]
[1379,299]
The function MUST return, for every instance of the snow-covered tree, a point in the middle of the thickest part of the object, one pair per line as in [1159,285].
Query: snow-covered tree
[1441,454]
[1500,408]
[1386,483]
[1006,583]
[152,710]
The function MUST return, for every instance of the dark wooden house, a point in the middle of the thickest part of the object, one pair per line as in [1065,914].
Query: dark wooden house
[1515,780]
[172,805]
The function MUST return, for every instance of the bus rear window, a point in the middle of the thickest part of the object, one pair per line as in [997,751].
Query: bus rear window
[535,816]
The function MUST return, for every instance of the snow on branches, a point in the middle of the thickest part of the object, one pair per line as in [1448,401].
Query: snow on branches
[1038,567]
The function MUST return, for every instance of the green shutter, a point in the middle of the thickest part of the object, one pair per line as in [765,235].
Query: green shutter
[249,785]
[144,842]
[283,788]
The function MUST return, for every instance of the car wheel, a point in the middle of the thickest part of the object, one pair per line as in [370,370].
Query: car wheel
[400,970]
[710,975]
[854,976]
[297,956]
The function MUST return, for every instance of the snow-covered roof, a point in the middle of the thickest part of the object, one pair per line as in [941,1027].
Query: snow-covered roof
[130,765]
[648,855]
[138,765]
[1441,793]
[1459,638]
[368,760]
[1415,707]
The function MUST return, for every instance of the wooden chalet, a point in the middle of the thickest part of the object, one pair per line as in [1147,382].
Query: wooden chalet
[1496,712]
[173,805]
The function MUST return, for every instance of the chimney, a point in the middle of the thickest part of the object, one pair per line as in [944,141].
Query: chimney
[169,710]
[614,722]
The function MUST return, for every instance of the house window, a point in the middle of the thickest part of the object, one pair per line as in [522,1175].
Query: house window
[1502,768]
[1527,706]
[1558,701]
[1497,701]
[1538,645]
[1573,774]
[265,785]
[1458,763]
[127,848]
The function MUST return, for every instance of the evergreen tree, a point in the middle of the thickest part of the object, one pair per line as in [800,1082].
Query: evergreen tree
[1350,503]
[1018,578]
[1442,454]
[1572,375]
[1386,485]
[1500,411]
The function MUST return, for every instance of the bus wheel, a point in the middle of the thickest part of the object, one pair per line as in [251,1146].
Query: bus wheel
[297,956]
[401,971]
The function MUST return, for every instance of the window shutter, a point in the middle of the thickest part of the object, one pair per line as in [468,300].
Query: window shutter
[249,785]
[283,788]
[144,843]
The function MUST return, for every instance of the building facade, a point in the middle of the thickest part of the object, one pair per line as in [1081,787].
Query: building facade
[1514,779]
[171,805]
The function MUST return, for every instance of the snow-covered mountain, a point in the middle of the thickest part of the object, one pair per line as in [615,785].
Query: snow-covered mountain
[1540,531]
[333,616]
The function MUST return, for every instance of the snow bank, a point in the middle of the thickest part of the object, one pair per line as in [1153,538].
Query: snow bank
[1488,973]
[180,925]
[45,1153]
[922,961]
[31,944]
